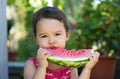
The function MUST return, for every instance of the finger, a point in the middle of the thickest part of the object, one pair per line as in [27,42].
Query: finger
[40,50]
[47,55]
[95,56]
[44,53]
[92,52]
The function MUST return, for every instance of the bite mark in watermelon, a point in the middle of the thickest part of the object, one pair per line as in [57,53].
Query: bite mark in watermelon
[69,58]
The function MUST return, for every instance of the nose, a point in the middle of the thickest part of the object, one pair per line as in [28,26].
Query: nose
[52,41]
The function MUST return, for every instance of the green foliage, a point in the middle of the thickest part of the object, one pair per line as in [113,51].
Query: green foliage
[27,46]
[98,27]
[27,49]
[24,12]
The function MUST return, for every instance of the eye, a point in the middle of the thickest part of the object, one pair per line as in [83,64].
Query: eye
[43,36]
[57,34]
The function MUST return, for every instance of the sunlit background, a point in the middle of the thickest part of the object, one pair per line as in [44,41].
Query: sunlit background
[95,24]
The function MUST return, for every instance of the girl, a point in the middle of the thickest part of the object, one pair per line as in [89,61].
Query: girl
[51,31]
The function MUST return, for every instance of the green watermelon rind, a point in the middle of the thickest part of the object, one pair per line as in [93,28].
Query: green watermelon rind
[73,64]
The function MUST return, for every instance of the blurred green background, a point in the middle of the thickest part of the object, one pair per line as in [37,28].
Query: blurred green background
[95,24]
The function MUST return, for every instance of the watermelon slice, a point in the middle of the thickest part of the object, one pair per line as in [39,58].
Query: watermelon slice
[69,58]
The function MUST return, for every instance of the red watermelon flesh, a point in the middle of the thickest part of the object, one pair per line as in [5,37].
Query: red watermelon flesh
[64,53]
[69,58]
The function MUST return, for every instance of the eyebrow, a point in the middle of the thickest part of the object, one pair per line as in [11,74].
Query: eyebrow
[59,31]
[39,34]
[45,33]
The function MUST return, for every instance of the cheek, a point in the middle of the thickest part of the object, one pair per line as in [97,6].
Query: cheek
[42,43]
[62,40]
[62,43]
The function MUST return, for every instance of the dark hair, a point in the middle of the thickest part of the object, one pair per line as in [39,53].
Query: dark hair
[49,12]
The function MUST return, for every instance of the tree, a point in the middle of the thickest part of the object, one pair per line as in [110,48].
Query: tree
[24,10]
[98,27]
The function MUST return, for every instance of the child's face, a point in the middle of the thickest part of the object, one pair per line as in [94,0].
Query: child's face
[51,33]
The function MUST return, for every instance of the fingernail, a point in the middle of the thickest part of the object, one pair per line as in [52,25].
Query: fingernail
[40,48]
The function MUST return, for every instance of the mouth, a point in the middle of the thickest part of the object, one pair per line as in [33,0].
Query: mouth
[52,47]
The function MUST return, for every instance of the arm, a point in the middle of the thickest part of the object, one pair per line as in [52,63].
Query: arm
[40,73]
[74,73]
[30,72]
[86,72]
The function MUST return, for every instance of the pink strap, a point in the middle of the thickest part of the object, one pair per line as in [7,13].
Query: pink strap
[34,61]
[64,73]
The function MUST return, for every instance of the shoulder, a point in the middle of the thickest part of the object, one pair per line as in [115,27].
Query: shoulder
[29,69]
[29,63]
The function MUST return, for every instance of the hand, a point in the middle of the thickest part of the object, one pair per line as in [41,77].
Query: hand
[94,57]
[42,56]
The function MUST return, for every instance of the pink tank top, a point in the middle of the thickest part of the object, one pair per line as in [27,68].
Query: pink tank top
[64,73]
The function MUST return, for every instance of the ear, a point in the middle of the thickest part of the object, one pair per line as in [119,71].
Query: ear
[68,35]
